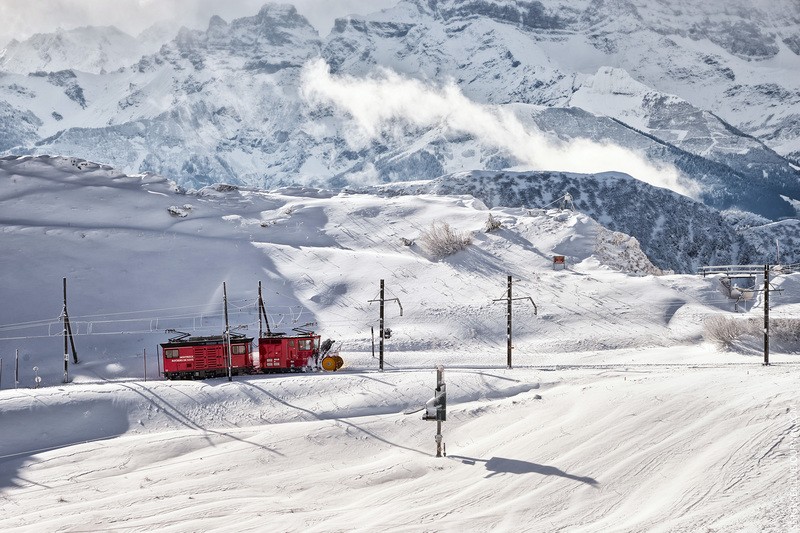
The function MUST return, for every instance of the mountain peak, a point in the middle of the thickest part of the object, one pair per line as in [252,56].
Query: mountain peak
[88,48]
[217,22]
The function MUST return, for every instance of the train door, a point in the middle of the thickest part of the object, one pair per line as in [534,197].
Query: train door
[291,353]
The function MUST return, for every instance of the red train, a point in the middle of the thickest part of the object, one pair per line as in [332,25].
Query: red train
[187,357]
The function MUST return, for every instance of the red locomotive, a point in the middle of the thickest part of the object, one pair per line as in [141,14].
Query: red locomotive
[277,352]
[205,357]
[187,357]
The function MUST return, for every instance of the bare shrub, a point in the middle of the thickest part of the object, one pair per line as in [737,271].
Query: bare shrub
[492,224]
[725,331]
[440,240]
[785,329]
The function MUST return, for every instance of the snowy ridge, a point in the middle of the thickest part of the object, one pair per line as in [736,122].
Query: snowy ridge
[675,232]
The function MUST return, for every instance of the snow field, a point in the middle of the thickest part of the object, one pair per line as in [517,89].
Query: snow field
[616,415]
[620,450]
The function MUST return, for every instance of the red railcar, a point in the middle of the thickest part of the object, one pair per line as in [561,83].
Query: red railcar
[280,353]
[188,357]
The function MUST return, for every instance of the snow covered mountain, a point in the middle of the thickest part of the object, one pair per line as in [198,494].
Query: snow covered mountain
[89,49]
[430,89]
[673,128]
[231,104]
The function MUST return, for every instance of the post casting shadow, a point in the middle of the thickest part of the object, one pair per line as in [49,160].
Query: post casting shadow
[501,465]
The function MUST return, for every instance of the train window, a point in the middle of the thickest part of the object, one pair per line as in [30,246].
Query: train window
[238,349]
[291,343]
[305,344]
[171,353]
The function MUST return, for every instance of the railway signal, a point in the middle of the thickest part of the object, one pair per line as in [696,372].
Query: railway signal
[436,407]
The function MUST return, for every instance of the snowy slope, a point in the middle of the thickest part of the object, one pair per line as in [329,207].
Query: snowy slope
[135,268]
[660,449]
[617,415]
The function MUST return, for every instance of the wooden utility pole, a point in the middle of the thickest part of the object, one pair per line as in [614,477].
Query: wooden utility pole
[227,335]
[509,299]
[766,315]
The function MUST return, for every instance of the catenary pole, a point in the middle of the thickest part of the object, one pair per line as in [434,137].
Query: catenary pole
[66,349]
[766,314]
[227,336]
[509,346]
[381,332]
[509,299]
[69,326]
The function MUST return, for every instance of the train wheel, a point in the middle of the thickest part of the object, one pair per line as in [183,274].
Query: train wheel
[329,363]
[339,361]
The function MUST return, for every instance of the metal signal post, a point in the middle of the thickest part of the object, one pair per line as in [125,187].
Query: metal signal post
[436,408]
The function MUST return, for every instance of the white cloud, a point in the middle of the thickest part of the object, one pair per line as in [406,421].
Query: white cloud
[376,103]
